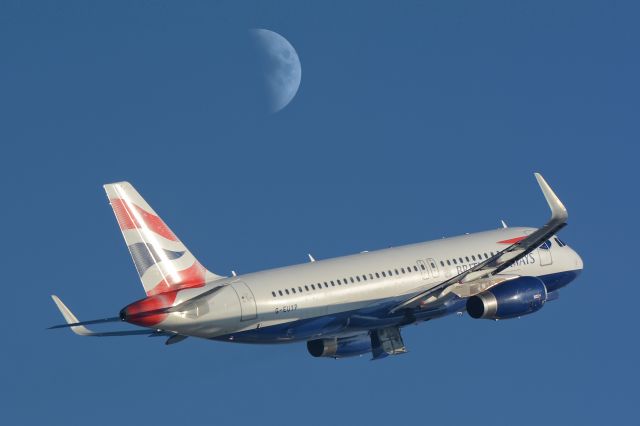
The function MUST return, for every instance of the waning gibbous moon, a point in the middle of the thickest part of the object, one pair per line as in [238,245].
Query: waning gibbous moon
[283,70]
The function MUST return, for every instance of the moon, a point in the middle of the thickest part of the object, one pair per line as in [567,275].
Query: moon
[282,68]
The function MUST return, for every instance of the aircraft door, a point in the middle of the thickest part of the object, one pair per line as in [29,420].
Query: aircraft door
[247,301]
[423,269]
[434,267]
[544,251]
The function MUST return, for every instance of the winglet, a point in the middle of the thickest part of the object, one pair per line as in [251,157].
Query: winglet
[558,211]
[70,318]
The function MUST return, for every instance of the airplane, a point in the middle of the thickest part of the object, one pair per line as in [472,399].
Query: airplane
[342,307]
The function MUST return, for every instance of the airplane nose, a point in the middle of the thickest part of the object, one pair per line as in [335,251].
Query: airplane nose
[578,260]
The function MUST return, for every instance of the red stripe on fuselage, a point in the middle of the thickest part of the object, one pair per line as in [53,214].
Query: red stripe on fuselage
[127,220]
[513,240]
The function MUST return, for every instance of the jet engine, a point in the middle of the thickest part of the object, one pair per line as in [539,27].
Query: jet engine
[343,347]
[512,299]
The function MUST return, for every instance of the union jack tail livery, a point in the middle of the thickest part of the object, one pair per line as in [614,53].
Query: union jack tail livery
[162,261]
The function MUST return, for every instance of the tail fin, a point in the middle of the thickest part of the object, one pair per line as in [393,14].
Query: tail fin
[162,261]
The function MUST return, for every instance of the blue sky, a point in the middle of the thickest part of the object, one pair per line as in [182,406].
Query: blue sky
[414,120]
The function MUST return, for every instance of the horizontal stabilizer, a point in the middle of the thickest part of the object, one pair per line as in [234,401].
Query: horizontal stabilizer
[90,322]
[79,328]
[176,338]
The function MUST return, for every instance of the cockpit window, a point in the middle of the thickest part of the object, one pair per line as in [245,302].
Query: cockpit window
[546,245]
[560,242]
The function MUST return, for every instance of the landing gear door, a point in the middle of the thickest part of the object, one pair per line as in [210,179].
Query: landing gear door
[247,301]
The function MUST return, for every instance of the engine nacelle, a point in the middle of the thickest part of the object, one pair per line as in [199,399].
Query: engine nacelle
[343,347]
[512,299]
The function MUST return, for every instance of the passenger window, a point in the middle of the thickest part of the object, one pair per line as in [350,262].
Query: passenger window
[345,281]
[473,257]
[339,283]
[383,274]
[441,263]
[293,290]
[485,256]
[448,262]
[326,285]
[460,259]
[390,273]
[415,268]
[286,291]
[300,289]
[273,293]
[280,292]
[358,278]
[397,273]
[455,262]
[422,266]
[467,257]
[433,265]
[313,287]
[306,287]
[364,277]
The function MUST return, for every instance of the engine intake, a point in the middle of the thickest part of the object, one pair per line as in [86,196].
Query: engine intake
[343,347]
[512,299]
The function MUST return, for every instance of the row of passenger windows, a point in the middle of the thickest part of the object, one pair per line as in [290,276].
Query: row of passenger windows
[345,281]
[376,275]
[471,258]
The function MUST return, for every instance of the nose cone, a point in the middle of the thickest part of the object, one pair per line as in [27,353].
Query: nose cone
[577,260]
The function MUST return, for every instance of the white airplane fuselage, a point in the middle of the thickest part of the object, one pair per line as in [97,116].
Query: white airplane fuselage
[342,307]
[320,299]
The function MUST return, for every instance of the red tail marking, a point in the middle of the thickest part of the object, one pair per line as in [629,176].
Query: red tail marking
[188,278]
[512,240]
[152,303]
[127,220]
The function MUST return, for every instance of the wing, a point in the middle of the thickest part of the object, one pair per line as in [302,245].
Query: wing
[487,274]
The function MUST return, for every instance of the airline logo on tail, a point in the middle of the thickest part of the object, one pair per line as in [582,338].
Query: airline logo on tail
[162,261]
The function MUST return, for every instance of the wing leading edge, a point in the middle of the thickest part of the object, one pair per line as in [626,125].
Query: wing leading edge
[485,273]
